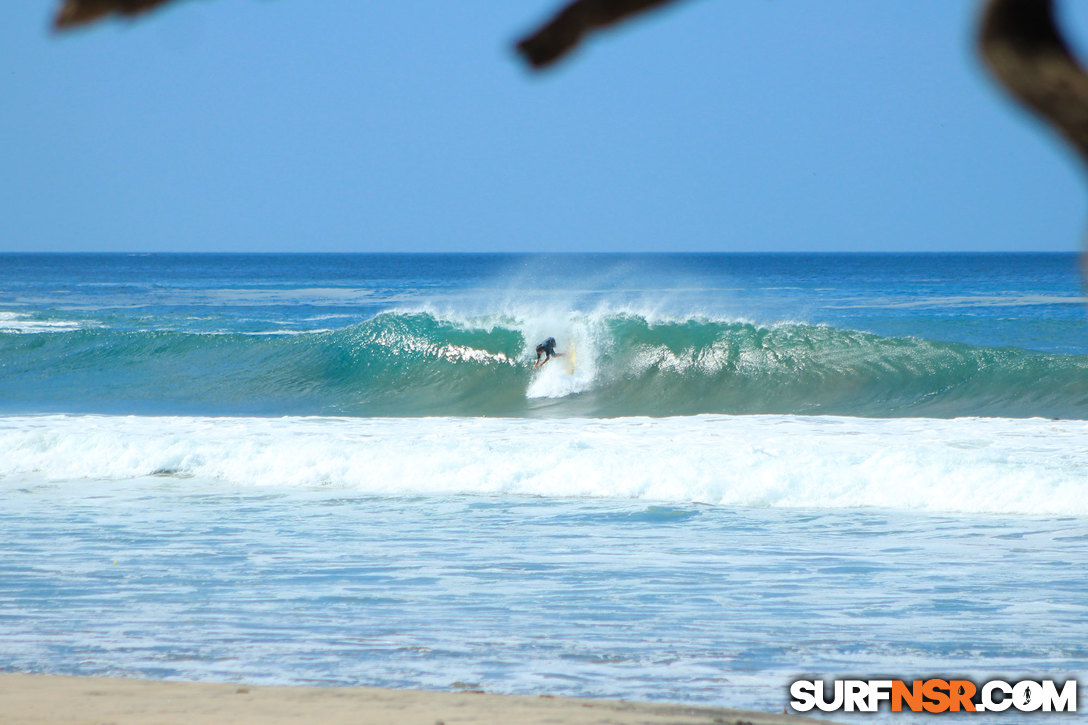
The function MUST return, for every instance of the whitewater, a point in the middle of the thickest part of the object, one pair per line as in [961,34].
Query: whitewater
[342,469]
[966,465]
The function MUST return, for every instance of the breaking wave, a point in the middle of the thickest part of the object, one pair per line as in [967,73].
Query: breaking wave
[425,363]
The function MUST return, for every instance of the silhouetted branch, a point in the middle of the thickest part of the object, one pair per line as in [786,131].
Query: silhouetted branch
[545,46]
[566,30]
[1021,43]
[78,12]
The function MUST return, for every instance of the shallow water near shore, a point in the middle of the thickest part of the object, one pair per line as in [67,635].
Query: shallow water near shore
[190,579]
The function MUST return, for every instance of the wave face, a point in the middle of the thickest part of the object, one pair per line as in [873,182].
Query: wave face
[423,363]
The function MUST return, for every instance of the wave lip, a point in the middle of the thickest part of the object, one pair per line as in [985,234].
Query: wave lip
[977,466]
[14,322]
[419,363]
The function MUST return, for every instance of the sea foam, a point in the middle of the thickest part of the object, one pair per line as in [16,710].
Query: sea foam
[967,465]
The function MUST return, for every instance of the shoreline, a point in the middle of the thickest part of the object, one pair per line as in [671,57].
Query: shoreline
[39,699]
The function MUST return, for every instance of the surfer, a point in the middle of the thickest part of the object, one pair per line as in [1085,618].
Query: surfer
[547,349]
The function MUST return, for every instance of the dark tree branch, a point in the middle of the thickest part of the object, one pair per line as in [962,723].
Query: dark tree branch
[545,46]
[78,12]
[1022,45]
[565,31]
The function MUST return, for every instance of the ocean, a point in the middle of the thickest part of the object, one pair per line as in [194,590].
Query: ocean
[343,470]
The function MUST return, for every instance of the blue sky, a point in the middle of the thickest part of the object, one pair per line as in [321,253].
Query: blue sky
[340,125]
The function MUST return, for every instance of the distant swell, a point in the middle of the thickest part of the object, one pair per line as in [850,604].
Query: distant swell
[412,364]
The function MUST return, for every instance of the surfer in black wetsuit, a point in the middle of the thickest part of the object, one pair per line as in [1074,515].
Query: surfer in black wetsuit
[547,349]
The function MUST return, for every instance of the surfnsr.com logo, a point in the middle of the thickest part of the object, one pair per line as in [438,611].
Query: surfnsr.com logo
[934,696]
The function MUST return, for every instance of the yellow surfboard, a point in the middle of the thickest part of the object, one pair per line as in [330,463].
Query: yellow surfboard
[572,357]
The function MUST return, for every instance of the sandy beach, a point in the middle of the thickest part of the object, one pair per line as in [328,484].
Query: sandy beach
[29,699]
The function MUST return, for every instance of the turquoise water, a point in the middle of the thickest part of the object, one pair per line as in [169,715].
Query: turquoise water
[931,335]
[342,470]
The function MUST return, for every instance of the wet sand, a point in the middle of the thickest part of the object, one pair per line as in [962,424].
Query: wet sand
[40,699]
